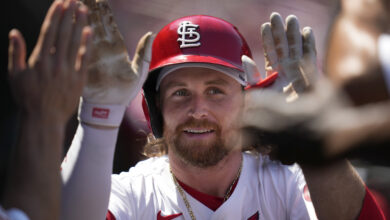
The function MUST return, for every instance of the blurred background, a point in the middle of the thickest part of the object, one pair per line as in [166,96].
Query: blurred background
[134,18]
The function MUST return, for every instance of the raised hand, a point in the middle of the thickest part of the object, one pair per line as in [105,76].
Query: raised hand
[47,89]
[112,77]
[51,83]
[290,53]
[293,55]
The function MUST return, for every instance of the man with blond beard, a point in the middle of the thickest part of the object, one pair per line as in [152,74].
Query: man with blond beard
[199,70]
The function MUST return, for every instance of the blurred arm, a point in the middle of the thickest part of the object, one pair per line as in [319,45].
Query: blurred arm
[336,190]
[47,90]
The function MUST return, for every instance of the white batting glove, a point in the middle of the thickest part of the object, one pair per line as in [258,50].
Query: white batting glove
[287,51]
[113,80]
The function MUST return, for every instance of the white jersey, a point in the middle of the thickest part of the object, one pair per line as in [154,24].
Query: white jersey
[265,190]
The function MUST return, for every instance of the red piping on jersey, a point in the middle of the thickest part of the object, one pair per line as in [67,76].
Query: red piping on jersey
[212,202]
[370,209]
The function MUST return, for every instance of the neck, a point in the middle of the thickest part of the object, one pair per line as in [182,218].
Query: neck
[214,180]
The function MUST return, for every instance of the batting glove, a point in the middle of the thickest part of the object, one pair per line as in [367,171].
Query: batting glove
[113,80]
[289,53]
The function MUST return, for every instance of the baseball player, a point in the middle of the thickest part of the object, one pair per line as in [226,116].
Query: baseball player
[194,92]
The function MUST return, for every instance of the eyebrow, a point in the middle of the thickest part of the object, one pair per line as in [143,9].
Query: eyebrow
[174,84]
[217,82]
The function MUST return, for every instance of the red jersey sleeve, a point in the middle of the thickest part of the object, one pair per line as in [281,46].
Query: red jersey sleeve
[370,209]
[110,216]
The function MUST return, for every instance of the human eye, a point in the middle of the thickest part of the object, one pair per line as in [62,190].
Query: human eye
[181,92]
[214,91]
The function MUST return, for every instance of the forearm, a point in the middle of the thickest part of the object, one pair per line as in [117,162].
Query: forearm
[34,180]
[86,173]
[336,190]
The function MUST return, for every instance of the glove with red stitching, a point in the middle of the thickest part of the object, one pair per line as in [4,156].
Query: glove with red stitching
[288,52]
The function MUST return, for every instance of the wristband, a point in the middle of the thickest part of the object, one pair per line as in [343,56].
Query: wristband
[384,57]
[101,114]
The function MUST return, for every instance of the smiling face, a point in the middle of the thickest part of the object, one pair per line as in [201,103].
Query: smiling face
[201,110]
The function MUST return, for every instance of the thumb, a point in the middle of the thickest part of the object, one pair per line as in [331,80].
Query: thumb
[251,71]
[143,54]
[141,60]
[16,52]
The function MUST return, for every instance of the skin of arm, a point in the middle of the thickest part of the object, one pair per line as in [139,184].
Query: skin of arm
[336,190]
[352,61]
[34,181]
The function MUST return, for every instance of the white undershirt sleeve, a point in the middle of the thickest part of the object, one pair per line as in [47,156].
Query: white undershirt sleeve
[384,57]
[86,174]
[12,214]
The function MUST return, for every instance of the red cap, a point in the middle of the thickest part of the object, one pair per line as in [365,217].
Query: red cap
[199,39]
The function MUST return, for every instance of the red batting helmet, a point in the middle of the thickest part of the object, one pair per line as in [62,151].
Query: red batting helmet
[192,39]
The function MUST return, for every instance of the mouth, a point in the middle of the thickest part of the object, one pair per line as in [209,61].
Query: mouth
[198,131]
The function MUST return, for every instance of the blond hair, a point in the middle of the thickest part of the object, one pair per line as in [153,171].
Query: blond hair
[155,147]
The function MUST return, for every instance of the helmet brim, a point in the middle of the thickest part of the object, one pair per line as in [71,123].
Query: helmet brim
[194,59]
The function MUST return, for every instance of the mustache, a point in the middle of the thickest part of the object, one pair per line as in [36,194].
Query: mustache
[195,123]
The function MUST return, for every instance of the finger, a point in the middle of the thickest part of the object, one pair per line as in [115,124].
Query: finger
[16,52]
[110,27]
[294,37]
[64,34]
[104,8]
[81,21]
[279,36]
[271,58]
[84,53]
[91,4]
[48,33]
[95,18]
[309,55]
[251,71]
[96,23]
[309,44]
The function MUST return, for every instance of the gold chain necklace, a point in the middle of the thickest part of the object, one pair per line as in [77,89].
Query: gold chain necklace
[183,195]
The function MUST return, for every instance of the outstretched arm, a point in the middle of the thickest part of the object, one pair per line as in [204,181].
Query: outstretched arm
[47,90]
[336,190]
[292,54]
[358,67]
[113,80]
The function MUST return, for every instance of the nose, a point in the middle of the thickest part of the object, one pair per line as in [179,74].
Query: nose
[198,108]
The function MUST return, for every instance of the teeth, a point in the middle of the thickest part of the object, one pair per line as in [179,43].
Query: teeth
[198,131]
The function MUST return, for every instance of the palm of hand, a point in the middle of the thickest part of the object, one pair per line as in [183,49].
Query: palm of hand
[111,74]
[290,72]
[43,92]
[51,83]
[289,52]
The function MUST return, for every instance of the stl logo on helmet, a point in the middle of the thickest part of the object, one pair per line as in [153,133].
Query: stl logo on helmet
[188,35]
